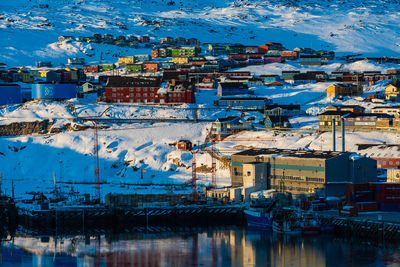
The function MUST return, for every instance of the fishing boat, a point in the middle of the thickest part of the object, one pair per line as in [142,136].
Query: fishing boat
[309,224]
[286,221]
[258,214]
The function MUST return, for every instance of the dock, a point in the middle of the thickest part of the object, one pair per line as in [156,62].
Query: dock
[100,217]
[378,227]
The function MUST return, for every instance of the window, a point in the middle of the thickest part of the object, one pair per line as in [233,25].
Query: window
[138,95]
[113,95]
[144,89]
[151,94]
[131,89]
[248,173]
[114,89]
[138,89]
[144,95]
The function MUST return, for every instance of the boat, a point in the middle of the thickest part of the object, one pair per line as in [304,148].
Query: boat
[286,221]
[286,227]
[258,214]
[309,225]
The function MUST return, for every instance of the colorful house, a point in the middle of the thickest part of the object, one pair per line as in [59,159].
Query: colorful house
[128,60]
[392,92]
[341,89]
[271,122]
[232,88]
[224,127]
[180,60]
[310,60]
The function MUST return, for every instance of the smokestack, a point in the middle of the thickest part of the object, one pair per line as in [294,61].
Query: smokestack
[333,135]
[343,136]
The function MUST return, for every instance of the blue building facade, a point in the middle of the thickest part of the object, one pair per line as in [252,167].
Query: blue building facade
[53,91]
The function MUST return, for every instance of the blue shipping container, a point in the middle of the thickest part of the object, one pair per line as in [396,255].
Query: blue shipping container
[53,91]
[10,94]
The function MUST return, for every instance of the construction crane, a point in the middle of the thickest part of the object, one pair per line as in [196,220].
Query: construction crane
[213,162]
[210,139]
[96,159]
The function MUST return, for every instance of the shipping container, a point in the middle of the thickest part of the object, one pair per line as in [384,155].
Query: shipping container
[389,206]
[387,192]
[366,206]
[53,91]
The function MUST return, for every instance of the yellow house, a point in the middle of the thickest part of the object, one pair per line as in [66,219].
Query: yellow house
[343,90]
[392,92]
[180,60]
[42,73]
[123,61]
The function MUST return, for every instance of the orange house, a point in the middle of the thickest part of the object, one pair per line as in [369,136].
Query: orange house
[150,67]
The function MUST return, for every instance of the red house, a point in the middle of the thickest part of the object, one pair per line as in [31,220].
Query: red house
[91,69]
[147,90]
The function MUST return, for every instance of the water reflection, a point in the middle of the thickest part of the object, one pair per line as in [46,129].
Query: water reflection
[193,247]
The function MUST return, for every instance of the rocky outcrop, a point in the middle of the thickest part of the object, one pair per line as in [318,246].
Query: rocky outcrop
[25,128]
[40,127]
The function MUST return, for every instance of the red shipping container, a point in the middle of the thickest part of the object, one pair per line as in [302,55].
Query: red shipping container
[387,192]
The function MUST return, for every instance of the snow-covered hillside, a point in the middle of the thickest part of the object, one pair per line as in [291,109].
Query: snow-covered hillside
[29,28]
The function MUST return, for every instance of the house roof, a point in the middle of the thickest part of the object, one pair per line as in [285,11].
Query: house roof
[275,119]
[290,153]
[288,107]
[385,107]
[230,118]
[233,85]
[378,115]
[339,112]
[120,81]
[346,106]
[243,98]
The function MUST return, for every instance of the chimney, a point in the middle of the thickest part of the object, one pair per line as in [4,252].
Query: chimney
[333,135]
[343,136]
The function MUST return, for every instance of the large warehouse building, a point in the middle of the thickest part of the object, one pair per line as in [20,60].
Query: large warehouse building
[300,171]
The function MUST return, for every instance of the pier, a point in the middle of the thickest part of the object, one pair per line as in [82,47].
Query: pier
[376,227]
[64,219]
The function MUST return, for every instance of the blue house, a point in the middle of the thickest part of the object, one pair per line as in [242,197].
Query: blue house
[271,122]
[232,88]
[267,79]
[224,127]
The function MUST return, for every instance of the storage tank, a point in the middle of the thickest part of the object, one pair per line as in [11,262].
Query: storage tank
[53,90]
[10,94]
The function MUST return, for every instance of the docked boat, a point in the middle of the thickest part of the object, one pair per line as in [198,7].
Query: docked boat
[309,225]
[258,214]
[286,227]
[286,221]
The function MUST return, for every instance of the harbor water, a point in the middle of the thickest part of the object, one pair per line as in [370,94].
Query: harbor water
[221,246]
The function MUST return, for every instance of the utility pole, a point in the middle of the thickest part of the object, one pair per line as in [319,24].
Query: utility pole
[96,159]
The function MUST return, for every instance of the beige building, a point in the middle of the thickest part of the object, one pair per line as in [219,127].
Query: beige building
[391,110]
[392,92]
[301,172]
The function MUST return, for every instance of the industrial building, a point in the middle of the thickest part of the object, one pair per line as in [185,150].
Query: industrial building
[10,94]
[300,171]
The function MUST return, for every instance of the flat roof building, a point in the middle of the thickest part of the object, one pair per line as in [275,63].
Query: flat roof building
[304,172]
